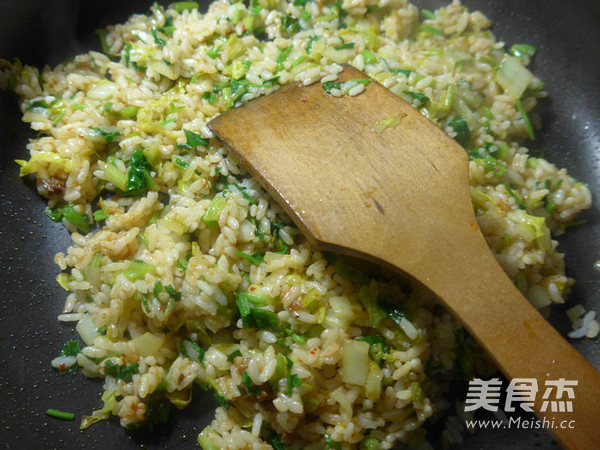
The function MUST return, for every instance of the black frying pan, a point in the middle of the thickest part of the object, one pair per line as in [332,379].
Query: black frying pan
[567,35]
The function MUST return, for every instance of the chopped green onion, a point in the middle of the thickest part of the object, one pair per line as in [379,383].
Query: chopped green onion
[526,120]
[516,196]
[137,270]
[523,51]
[310,44]
[60,414]
[417,96]
[428,14]
[254,259]
[183,6]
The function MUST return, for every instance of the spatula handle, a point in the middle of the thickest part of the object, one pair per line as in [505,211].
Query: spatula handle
[522,343]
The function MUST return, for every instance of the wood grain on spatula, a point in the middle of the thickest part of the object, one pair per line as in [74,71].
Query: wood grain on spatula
[401,198]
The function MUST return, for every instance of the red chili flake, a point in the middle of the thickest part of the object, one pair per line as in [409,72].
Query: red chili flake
[303,100]
[313,351]
[252,288]
[62,367]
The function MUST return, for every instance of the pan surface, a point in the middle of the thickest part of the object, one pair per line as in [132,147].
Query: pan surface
[38,32]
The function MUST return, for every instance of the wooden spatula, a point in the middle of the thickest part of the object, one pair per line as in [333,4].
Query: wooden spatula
[401,198]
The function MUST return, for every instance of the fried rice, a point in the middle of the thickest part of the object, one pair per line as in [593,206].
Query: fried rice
[184,274]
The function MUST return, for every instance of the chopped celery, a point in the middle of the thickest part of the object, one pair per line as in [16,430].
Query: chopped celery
[115,176]
[63,280]
[67,212]
[374,381]
[368,297]
[369,57]
[211,216]
[355,362]
[148,343]
[513,76]
[110,403]
[137,270]
[382,125]
[207,437]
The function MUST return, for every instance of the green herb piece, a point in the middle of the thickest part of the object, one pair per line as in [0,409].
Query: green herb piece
[183,6]
[345,46]
[71,348]
[516,196]
[181,163]
[158,288]
[256,318]
[78,107]
[124,372]
[145,304]
[252,388]
[498,168]
[209,97]
[277,444]
[260,234]
[526,120]
[234,354]
[283,54]
[460,126]
[175,295]
[405,72]
[329,85]
[195,140]
[108,136]
[377,348]
[370,443]
[330,443]
[290,25]
[157,40]
[311,41]
[417,96]
[79,221]
[168,28]
[254,259]
[215,52]
[139,179]
[182,264]
[102,330]
[60,414]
